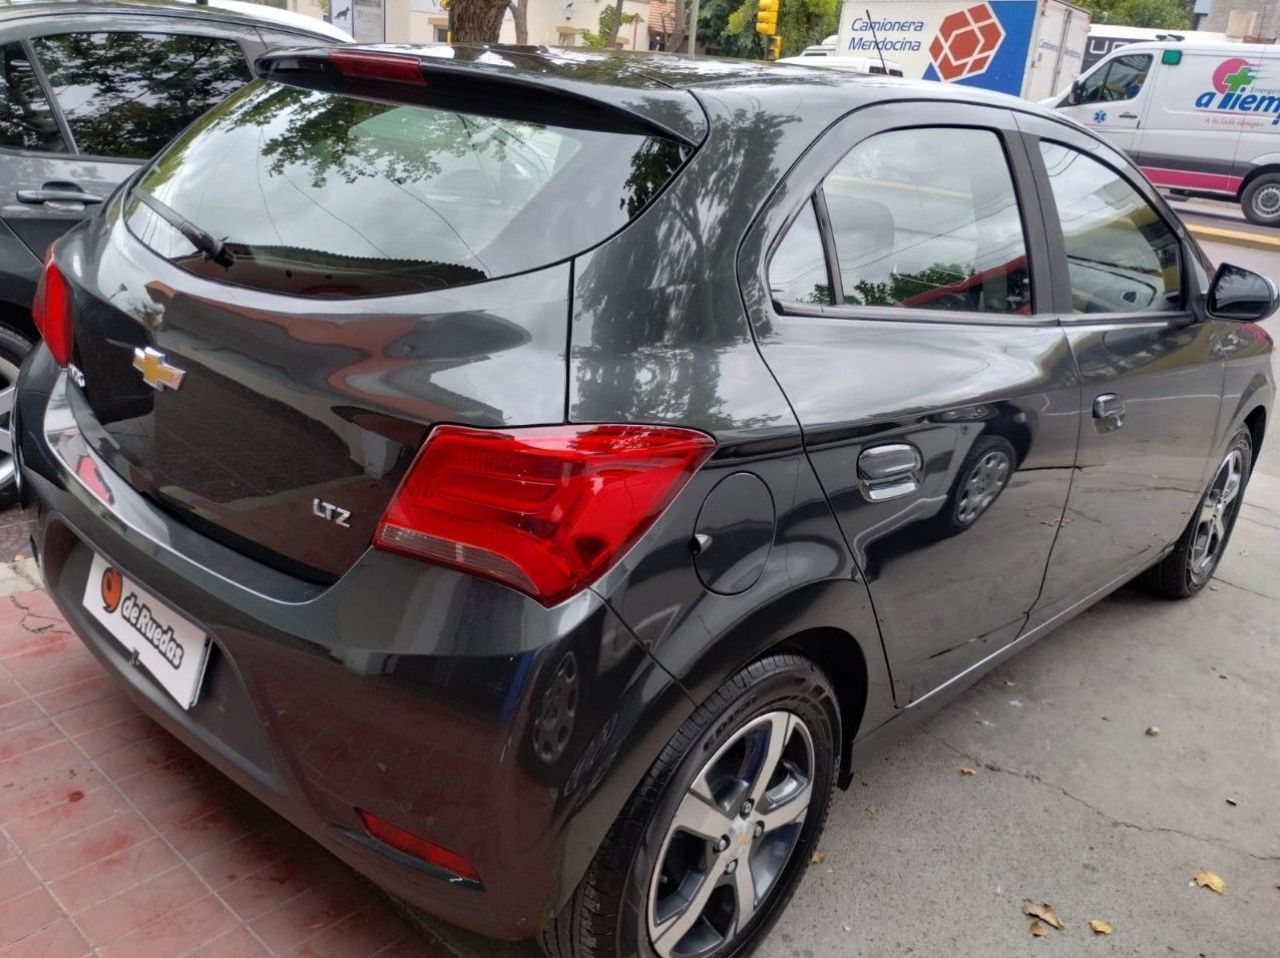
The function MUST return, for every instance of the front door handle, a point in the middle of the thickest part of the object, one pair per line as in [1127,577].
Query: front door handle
[1108,412]
[62,194]
[1128,116]
[889,471]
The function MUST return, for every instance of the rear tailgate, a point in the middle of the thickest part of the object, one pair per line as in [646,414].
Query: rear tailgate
[391,261]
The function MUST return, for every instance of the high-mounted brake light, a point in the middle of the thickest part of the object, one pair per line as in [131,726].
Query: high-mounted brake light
[372,65]
[545,510]
[51,310]
[420,848]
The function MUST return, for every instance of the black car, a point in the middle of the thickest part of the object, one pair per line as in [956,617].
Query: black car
[544,477]
[88,91]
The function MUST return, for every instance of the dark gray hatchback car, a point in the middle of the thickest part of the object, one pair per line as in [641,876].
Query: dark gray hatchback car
[544,477]
[88,91]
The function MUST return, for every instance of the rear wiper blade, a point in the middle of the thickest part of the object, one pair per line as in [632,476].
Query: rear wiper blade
[213,248]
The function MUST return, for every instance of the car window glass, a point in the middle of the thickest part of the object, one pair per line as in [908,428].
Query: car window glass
[26,121]
[128,94]
[928,219]
[798,270]
[1121,255]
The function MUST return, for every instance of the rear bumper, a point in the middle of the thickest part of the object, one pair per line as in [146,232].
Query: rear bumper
[419,694]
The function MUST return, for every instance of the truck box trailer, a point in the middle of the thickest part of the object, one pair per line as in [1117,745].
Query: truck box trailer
[1028,48]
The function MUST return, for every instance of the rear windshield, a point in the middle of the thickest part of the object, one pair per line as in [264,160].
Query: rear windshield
[326,195]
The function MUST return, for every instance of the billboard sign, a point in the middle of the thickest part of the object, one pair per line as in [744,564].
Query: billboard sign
[983,44]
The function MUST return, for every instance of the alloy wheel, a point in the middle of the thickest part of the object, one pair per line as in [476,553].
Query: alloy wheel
[8,381]
[731,837]
[1216,514]
[984,483]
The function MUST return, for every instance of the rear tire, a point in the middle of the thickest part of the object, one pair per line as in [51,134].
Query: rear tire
[1194,559]
[14,347]
[762,744]
[1260,200]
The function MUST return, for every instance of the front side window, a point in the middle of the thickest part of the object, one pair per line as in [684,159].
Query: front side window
[1121,79]
[928,219]
[1121,254]
[26,121]
[127,94]
[337,196]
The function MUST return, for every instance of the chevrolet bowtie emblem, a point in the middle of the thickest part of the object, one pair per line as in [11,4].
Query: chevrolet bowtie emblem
[157,373]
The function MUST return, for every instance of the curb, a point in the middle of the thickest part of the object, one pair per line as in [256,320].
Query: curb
[1234,237]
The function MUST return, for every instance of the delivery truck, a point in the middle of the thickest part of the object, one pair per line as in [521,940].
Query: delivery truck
[1028,48]
[1199,118]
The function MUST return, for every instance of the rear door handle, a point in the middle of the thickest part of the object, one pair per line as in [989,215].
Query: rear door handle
[889,471]
[1108,412]
[42,196]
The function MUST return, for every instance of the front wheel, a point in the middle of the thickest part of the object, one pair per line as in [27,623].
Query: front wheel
[714,841]
[1189,567]
[1260,200]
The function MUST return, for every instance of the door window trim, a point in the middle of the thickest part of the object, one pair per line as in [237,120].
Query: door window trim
[804,181]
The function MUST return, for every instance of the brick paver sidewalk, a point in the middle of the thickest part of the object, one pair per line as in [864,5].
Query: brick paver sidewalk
[117,840]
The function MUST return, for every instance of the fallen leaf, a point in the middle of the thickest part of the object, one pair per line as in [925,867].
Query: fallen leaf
[819,857]
[1037,930]
[847,927]
[1152,730]
[1232,802]
[871,809]
[1042,910]
[967,771]
[1207,879]
[1100,927]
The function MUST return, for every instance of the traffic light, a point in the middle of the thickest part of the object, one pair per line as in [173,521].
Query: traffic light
[775,47]
[767,17]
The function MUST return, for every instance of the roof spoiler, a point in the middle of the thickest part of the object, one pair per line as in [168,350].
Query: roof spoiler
[500,90]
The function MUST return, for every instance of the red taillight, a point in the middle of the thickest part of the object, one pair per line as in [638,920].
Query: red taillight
[546,509]
[420,848]
[51,310]
[371,65]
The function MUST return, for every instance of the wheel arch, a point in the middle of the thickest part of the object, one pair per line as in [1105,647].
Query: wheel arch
[1272,166]
[1256,420]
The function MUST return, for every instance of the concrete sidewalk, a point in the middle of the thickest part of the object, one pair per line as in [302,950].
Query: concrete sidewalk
[115,840]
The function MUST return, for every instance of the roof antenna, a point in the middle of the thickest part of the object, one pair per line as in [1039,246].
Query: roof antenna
[874,39]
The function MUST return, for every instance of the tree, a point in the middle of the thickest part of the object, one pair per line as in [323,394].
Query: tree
[1151,14]
[729,26]
[476,21]
[520,14]
[610,20]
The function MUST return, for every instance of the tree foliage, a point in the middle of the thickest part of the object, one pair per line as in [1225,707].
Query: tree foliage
[728,27]
[1152,14]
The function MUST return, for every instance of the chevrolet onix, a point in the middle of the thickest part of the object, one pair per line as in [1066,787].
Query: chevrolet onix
[544,477]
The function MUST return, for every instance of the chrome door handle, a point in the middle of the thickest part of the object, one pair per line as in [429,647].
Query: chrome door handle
[40,197]
[889,471]
[1108,412]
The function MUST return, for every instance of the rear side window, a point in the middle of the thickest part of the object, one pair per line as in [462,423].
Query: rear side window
[337,196]
[798,270]
[928,219]
[127,94]
[26,121]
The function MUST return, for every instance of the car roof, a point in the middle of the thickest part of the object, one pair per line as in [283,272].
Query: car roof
[228,11]
[1215,48]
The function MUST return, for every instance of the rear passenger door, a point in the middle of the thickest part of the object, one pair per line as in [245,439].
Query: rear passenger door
[898,283]
[114,91]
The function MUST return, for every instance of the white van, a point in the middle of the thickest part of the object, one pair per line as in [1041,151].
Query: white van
[1199,118]
[849,63]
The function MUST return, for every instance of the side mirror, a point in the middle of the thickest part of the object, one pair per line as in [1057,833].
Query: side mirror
[1074,96]
[1241,295]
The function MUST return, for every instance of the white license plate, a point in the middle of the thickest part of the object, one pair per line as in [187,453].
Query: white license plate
[172,649]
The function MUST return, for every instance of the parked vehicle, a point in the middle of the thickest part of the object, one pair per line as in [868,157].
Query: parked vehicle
[1200,118]
[1107,37]
[1025,47]
[88,90]
[561,470]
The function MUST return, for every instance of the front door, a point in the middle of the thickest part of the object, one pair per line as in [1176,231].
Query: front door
[1112,98]
[902,312]
[1152,375]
